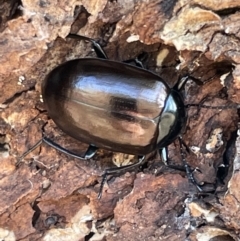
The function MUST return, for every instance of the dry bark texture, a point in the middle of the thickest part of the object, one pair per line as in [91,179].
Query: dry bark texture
[51,196]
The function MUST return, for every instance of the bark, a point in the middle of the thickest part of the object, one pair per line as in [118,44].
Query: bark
[51,196]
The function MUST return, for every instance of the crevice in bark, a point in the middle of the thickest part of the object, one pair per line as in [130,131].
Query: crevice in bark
[14,97]
[227,11]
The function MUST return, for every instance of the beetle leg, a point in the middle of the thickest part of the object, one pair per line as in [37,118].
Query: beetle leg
[97,47]
[29,151]
[188,171]
[185,145]
[183,80]
[165,160]
[116,170]
[88,154]
[139,63]
[164,157]
[91,151]
[137,60]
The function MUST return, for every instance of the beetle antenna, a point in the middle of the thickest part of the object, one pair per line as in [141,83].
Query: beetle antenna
[234,106]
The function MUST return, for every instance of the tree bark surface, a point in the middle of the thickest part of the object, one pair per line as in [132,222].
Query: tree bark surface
[51,196]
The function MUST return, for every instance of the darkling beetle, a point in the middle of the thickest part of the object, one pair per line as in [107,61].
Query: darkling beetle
[126,109]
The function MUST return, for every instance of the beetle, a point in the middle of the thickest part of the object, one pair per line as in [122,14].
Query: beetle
[115,106]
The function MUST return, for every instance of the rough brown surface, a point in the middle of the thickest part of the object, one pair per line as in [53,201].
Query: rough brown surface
[51,196]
